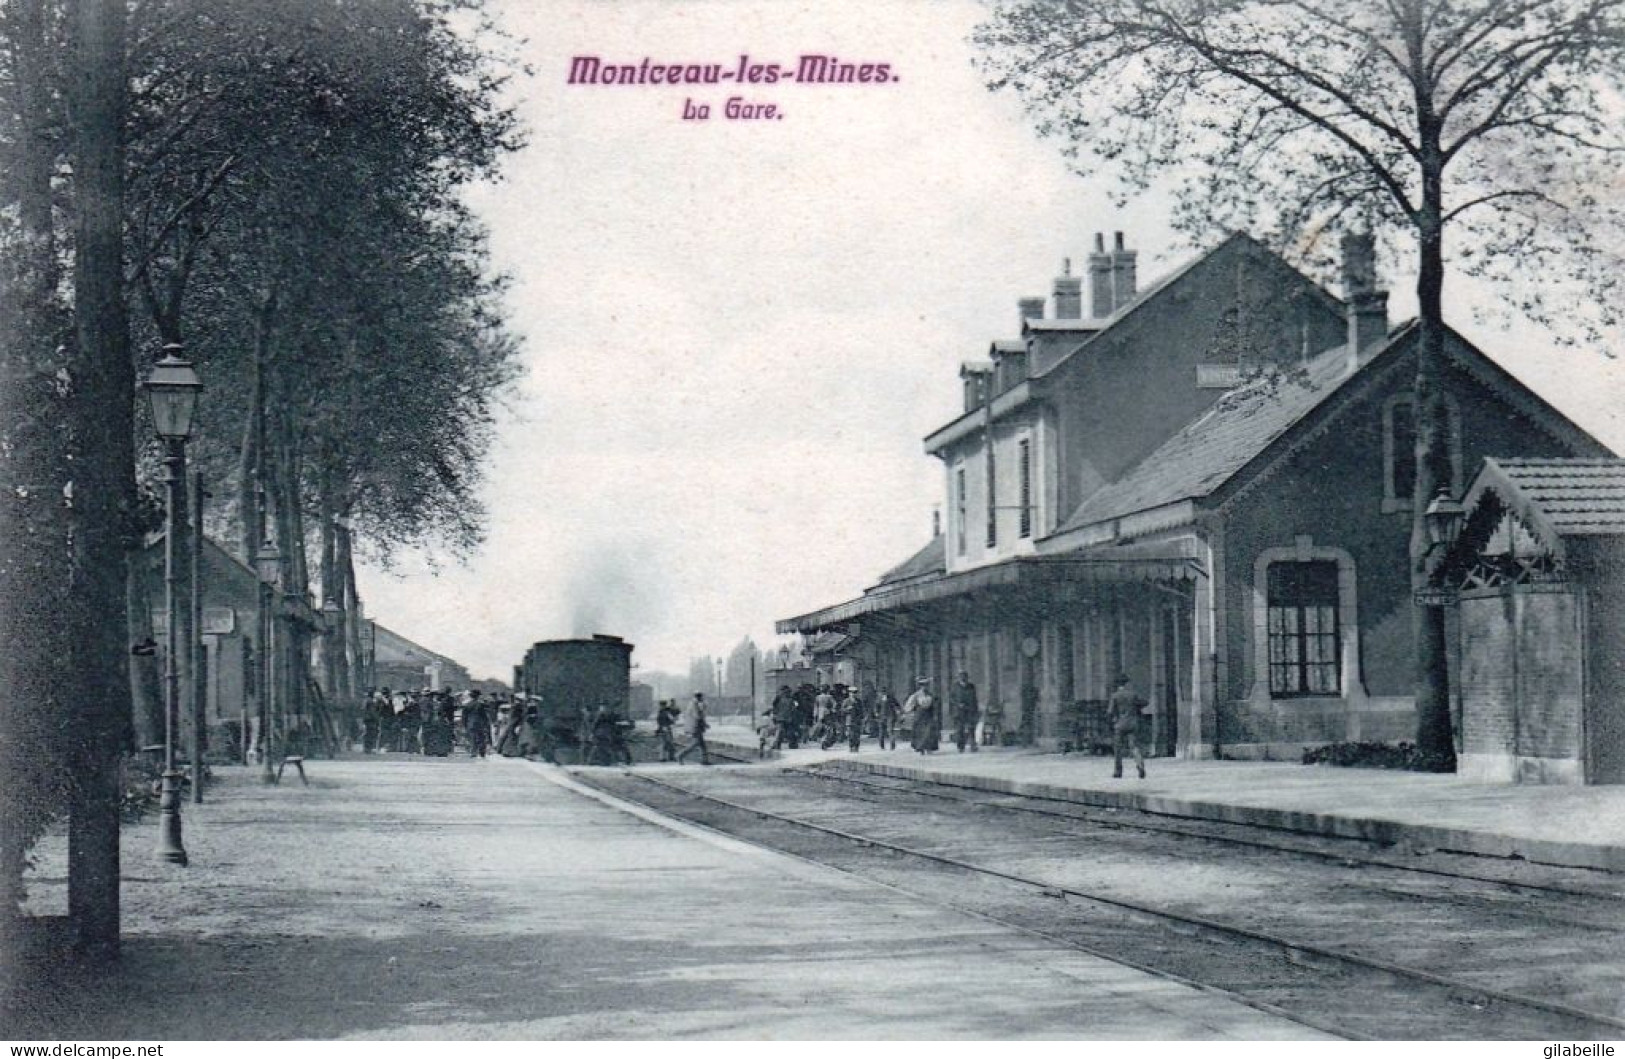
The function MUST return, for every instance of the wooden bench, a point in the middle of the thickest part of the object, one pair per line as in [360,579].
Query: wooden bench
[297,762]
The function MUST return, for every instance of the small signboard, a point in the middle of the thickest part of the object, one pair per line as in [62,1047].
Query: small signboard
[219,621]
[1435,597]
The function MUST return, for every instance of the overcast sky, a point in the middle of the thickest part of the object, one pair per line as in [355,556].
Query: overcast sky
[737,333]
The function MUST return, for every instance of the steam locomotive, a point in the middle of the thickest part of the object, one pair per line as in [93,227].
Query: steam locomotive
[560,686]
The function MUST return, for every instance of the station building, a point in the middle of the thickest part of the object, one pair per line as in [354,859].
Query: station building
[1205,485]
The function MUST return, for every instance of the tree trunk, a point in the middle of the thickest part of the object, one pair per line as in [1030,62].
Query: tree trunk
[331,643]
[251,461]
[1434,734]
[104,487]
[146,688]
[354,648]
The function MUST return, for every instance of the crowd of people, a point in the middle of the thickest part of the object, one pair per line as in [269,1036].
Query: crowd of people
[435,722]
[826,715]
[429,721]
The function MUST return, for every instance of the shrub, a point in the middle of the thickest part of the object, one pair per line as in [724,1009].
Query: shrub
[1404,756]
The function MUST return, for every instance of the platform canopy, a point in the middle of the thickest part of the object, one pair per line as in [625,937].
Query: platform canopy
[1034,574]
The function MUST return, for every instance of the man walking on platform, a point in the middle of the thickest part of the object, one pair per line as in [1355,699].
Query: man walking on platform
[1123,710]
[886,709]
[477,724]
[784,712]
[855,717]
[666,728]
[962,700]
[697,726]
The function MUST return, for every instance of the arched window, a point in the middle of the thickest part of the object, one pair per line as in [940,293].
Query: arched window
[1305,652]
[1306,624]
[1399,449]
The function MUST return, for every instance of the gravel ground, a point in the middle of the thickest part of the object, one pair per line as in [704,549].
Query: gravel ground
[419,898]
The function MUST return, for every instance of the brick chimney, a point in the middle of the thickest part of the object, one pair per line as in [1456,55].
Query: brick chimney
[1031,309]
[1100,280]
[1367,306]
[1068,294]
[1125,277]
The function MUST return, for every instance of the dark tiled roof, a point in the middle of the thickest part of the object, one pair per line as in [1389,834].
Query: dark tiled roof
[1087,323]
[1576,496]
[1205,452]
[825,642]
[932,559]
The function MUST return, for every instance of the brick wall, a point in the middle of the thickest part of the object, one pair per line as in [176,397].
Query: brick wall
[1520,677]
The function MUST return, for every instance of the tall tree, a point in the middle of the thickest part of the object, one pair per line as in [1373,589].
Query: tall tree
[1484,135]
[102,490]
[34,464]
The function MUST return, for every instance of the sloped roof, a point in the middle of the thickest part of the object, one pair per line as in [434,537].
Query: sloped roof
[390,639]
[1098,329]
[1207,451]
[1064,323]
[824,642]
[932,559]
[1562,497]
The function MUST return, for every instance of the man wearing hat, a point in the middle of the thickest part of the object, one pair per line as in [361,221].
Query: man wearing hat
[1123,710]
[963,706]
[697,726]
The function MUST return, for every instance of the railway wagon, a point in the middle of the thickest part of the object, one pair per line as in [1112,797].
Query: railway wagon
[568,680]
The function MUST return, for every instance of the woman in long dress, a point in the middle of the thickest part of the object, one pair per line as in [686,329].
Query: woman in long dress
[922,707]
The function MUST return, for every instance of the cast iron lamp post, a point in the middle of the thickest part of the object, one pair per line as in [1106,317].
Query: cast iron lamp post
[173,389]
[332,640]
[1443,518]
[268,565]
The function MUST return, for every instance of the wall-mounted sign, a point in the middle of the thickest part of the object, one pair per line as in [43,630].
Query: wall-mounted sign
[1435,597]
[219,621]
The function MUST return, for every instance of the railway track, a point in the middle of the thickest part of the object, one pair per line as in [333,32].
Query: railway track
[1511,876]
[1333,989]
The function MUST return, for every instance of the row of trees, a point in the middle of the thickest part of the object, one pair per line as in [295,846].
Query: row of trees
[275,188]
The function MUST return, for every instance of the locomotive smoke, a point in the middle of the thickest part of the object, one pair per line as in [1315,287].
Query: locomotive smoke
[613,591]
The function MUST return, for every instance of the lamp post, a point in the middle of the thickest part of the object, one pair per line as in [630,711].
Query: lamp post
[172,388]
[338,707]
[1443,519]
[268,565]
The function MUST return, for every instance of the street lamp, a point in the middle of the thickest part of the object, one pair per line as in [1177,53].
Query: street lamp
[172,388]
[332,645]
[268,565]
[1443,518]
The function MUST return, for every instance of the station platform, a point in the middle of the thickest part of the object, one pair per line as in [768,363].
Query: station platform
[1581,827]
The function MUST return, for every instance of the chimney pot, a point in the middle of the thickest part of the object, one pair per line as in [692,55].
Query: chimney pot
[1125,274]
[1101,301]
[1367,306]
[1117,240]
[1068,294]
[936,523]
